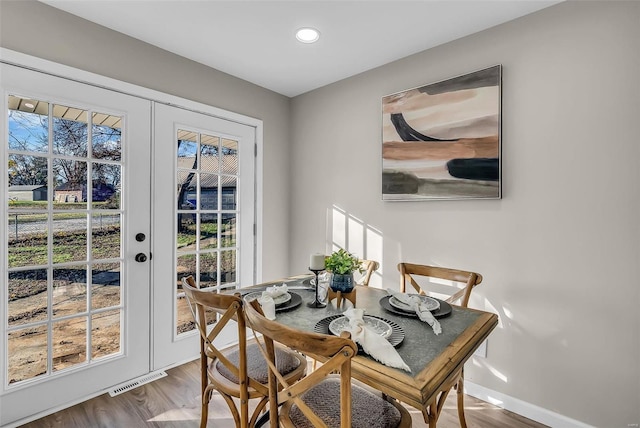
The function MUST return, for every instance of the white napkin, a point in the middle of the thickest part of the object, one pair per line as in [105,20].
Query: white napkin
[275,291]
[416,304]
[266,300]
[372,343]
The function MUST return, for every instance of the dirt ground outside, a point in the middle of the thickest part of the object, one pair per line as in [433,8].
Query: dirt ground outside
[28,299]
[28,346]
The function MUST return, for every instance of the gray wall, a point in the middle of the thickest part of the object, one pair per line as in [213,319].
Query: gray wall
[560,252]
[37,29]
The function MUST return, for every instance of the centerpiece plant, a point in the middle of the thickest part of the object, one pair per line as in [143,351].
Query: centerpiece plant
[342,264]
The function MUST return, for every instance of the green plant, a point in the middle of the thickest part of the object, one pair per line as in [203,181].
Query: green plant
[342,262]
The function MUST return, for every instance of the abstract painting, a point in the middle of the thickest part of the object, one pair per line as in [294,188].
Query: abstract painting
[442,140]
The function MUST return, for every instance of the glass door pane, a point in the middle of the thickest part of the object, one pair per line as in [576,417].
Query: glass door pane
[207,176]
[49,149]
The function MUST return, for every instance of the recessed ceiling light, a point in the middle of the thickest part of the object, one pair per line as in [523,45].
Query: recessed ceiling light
[29,105]
[307,35]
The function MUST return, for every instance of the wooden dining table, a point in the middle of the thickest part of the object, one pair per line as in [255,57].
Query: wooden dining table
[432,358]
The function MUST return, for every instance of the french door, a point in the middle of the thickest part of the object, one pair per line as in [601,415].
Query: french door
[107,201]
[203,215]
[75,269]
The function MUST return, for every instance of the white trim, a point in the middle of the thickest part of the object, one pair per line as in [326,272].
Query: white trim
[48,67]
[4,237]
[522,408]
[258,207]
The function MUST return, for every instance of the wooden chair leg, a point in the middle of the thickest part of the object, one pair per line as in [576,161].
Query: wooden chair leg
[429,417]
[259,411]
[232,408]
[244,411]
[204,415]
[460,394]
[431,413]
[206,398]
[204,385]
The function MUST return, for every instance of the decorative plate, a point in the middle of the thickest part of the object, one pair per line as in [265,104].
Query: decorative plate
[444,310]
[278,300]
[431,303]
[395,338]
[295,301]
[381,327]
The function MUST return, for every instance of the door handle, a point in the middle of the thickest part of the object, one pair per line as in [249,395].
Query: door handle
[141,257]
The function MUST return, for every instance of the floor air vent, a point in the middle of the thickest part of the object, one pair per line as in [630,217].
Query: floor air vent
[134,383]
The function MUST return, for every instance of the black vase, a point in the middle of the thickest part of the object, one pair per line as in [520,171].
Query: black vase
[342,282]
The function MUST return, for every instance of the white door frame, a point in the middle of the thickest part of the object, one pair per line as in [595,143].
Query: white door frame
[37,64]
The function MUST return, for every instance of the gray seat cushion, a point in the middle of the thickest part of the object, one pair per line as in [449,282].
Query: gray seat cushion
[286,362]
[368,410]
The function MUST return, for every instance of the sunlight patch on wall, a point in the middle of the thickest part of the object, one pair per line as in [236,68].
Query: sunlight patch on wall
[490,308]
[481,362]
[357,237]
[339,229]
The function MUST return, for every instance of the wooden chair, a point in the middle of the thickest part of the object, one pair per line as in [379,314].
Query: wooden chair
[239,371]
[369,266]
[321,399]
[453,278]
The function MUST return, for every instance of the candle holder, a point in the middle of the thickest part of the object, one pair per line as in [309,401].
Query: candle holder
[316,303]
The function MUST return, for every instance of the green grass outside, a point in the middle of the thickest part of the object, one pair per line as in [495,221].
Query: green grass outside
[71,246]
[67,247]
[207,230]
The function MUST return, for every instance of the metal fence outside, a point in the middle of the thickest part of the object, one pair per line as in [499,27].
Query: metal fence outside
[27,225]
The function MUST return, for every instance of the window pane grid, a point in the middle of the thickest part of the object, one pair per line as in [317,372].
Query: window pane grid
[206,209]
[64,177]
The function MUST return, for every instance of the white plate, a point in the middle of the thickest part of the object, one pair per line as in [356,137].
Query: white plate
[338,325]
[278,300]
[431,303]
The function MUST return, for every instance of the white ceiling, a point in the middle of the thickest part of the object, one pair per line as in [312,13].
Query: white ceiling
[254,40]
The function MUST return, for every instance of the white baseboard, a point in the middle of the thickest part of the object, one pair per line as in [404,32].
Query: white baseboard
[531,411]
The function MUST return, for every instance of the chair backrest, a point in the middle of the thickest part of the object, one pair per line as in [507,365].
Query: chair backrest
[338,350]
[453,277]
[369,267]
[207,304]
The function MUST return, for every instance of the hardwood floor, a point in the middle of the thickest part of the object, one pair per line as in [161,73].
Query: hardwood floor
[174,402]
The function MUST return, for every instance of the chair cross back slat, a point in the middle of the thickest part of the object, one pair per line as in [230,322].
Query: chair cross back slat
[470,280]
[369,267]
[229,314]
[338,350]
[218,369]
[296,398]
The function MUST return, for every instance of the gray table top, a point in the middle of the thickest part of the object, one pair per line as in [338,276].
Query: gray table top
[420,345]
